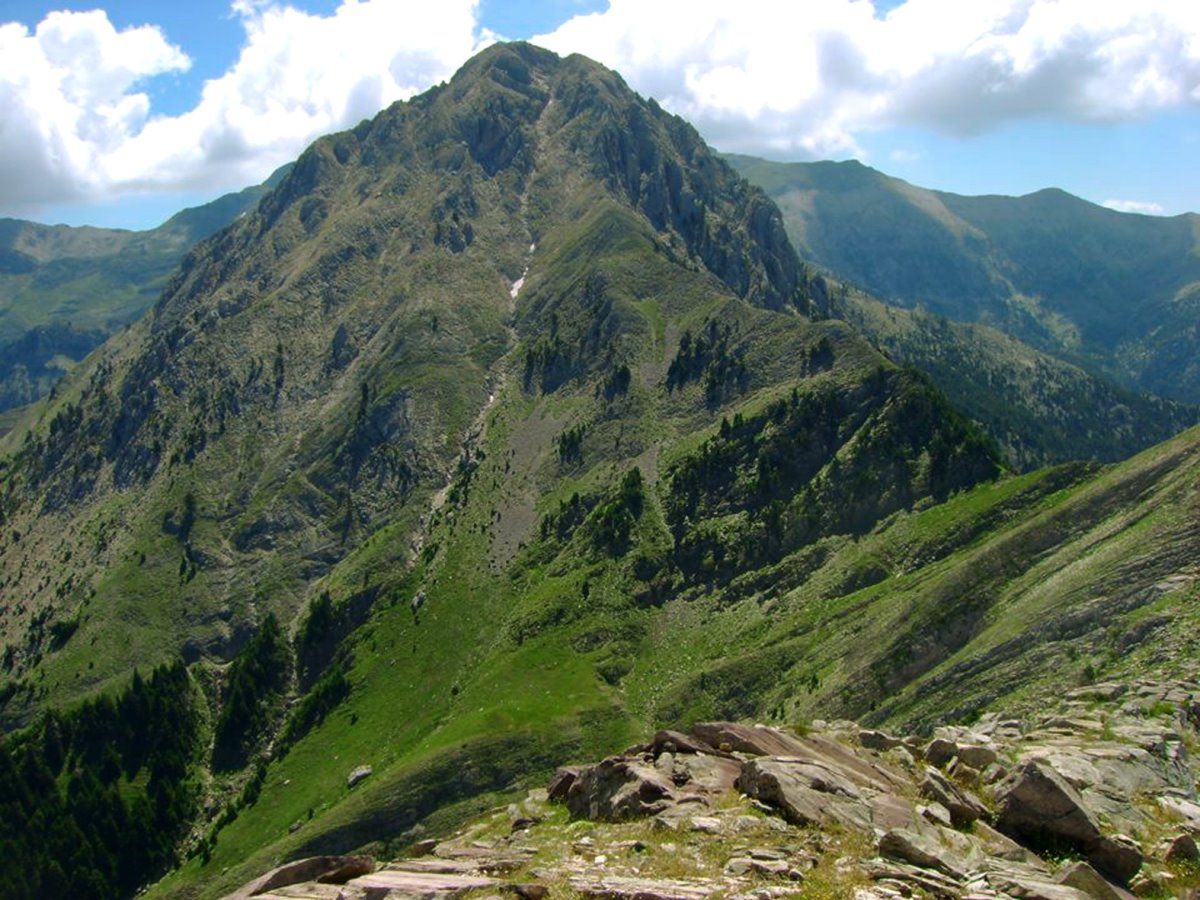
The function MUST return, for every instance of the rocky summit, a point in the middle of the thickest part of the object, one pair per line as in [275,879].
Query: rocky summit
[1095,799]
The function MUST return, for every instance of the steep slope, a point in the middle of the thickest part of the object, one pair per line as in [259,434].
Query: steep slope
[504,427]
[991,600]
[1113,291]
[308,375]
[63,290]
[1041,409]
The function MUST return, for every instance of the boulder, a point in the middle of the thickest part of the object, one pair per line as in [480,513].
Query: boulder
[940,751]
[678,742]
[314,868]
[617,789]
[1083,877]
[528,890]
[561,781]
[1037,804]
[1182,849]
[893,872]
[757,740]
[700,772]
[357,775]
[1119,857]
[805,793]
[890,811]
[351,867]
[398,882]
[1031,887]
[423,847]
[877,740]
[964,806]
[936,814]
[613,887]
[1185,809]
[1001,846]
[934,847]
[977,756]
[706,824]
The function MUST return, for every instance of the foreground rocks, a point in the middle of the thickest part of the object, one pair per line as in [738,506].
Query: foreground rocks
[993,803]
[1096,800]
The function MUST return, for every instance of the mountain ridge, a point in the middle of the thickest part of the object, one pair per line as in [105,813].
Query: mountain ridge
[1049,268]
[64,289]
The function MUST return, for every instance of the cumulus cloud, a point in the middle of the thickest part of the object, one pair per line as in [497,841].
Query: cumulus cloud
[811,78]
[1143,207]
[783,79]
[68,97]
[75,126]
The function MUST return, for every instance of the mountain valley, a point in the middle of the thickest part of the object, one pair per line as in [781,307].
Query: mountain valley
[507,428]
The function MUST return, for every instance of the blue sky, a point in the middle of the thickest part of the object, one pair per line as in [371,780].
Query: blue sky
[121,114]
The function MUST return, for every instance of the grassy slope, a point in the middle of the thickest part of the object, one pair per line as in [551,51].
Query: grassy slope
[909,245]
[879,626]
[1042,410]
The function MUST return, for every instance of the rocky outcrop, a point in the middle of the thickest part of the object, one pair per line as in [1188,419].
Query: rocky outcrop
[326,870]
[751,812]
[1038,805]
[619,788]
[992,797]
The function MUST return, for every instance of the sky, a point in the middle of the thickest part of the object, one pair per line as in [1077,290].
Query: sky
[122,112]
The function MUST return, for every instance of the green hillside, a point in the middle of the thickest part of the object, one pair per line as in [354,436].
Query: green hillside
[1041,409]
[1115,292]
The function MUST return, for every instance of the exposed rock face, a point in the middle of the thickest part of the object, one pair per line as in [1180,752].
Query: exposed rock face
[320,869]
[963,806]
[1038,803]
[617,789]
[1067,790]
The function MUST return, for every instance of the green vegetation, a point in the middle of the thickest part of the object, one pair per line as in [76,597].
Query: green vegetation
[1039,409]
[1107,299]
[64,290]
[257,677]
[94,800]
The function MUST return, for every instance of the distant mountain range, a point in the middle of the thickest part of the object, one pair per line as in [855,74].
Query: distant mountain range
[64,290]
[1114,292]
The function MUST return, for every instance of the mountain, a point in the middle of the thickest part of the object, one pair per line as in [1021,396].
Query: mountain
[1114,292]
[64,290]
[508,425]
[1041,410]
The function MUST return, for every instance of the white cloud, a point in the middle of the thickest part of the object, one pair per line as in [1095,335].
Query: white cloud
[1143,207]
[802,79]
[74,126]
[810,78]
[68,97]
